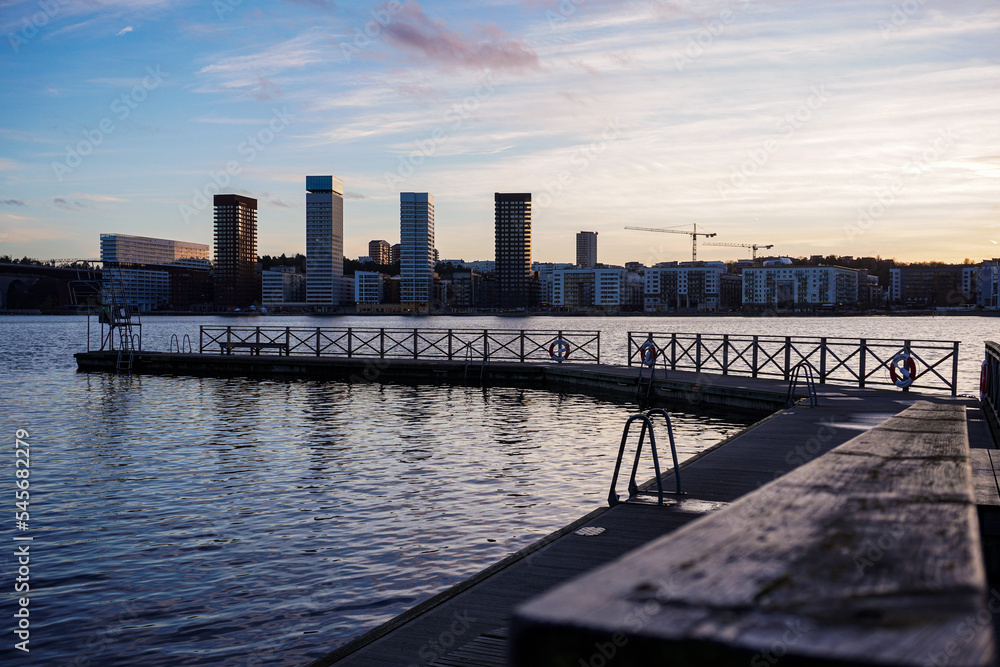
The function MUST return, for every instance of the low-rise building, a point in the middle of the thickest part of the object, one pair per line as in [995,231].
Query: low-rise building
[367,287]
[683,286]
[797,287]
[947,286]
[603,289]
[281,285]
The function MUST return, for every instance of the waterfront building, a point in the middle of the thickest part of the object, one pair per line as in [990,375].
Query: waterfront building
[586,250]
[799,286]
[157,273]
[367,287]
[394,253]
[683,286]
[237,282]
[602,289]
[466,287]
[280,285]
[730,292]
[512,212]
[989,284]
[935,286]
[380,252]
[416,252]
[324,241]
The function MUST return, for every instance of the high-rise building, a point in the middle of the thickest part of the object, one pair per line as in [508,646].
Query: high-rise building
[394,253]
[380,252]
[324,240]
[513,248]
[586,250]
[237,284]
[416,251]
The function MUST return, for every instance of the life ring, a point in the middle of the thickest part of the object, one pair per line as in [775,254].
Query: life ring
[648,352]
[559,350]
[906,367]
[984,380]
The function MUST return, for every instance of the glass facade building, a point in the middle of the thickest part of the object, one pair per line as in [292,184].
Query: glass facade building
[324,240]
[416,248]
[513,249]
[237,283]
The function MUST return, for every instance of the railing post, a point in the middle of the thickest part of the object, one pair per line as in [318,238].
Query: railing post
[381,343]
[522,345]
[788,357]
[861,366]
[350,342]
[725,354]
[906,351]
[317,340]
[822,360]
[673,350]
[201,338]
[598,347]
[954,369]
[415,349]
[229,338]
[628,349]
[753,371]
[449,345]
[288,341]
[697,352]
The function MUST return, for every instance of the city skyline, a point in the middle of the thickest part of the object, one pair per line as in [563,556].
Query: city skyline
[858,129]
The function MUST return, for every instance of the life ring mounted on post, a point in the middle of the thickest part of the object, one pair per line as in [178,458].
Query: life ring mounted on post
[559,350]
[903,370]
[647,353]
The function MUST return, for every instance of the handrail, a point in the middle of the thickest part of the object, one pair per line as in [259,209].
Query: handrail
[989,388]
[408,343]
[806,369]
[170,347]
[859,361]
[647,426]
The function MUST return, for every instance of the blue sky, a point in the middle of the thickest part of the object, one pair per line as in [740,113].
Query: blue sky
[853,128]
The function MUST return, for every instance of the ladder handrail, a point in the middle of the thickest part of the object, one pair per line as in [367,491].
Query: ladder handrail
[647,426]
[808,372]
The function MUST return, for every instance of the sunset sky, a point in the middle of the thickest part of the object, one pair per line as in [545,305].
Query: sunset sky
[852,128]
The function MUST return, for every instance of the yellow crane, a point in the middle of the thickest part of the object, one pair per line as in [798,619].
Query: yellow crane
[667,230]
[752,246]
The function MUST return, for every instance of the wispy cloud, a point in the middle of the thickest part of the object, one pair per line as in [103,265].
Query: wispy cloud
[492,48]
[12,202]
[125,31]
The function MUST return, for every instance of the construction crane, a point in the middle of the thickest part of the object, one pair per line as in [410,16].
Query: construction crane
[752,246]
[694,235]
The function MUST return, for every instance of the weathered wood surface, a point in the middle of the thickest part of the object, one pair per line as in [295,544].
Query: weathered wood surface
[869,554]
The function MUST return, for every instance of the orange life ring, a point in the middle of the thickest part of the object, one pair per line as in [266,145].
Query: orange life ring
[559,349]
[907,370]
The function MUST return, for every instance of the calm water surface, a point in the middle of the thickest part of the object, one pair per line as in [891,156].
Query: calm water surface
[185,521]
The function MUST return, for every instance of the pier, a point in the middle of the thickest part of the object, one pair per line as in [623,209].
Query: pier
[854,525]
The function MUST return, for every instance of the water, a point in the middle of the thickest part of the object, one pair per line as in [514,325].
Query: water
[184,520]
[181,520]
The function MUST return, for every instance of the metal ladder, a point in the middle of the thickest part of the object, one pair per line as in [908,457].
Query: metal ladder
[647,426]
[118,315]
[807,372]
[482,367]
[644,400]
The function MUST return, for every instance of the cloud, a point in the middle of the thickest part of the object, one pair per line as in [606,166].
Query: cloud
[124,31]
[12,202]
[74,205]
[101,198]
[355,196]
[413,31]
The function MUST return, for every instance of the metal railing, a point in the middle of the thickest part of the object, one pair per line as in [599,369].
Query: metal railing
[807,373]
[450,344]
[858,361]
[989,388]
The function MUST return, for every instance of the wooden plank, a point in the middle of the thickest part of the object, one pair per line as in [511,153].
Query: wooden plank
[869,554]
[984,478]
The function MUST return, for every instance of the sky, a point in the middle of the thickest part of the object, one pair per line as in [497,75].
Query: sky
[847,128]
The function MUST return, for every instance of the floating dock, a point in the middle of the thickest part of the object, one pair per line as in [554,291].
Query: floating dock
[864,529]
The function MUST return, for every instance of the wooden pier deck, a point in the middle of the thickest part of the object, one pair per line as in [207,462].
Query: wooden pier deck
[466,623]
